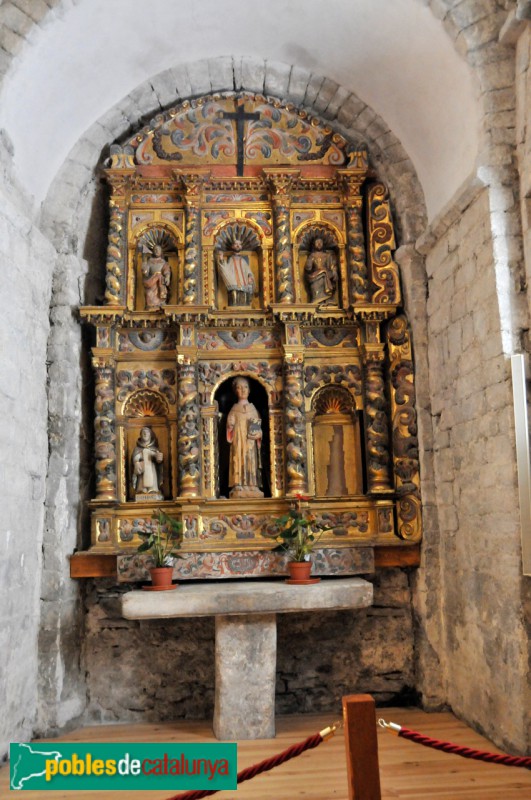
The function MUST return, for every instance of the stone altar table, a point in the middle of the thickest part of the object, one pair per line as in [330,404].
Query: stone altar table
[246,638]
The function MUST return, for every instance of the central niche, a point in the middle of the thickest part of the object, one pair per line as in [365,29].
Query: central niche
[225,398]
[239,269]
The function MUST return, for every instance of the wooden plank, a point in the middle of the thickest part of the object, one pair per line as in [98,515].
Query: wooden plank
[408,771]
[92,565]
[359,719]
[402,556]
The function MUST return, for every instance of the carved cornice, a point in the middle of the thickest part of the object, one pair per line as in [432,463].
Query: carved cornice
[234,319]
[373,312]
[198,315]
[102,315]
[238,184]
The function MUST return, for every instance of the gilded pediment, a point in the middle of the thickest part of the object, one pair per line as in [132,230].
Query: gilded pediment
[243,130]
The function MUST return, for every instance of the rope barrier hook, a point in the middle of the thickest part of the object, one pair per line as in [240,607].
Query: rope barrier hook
[389,726]
[330,730]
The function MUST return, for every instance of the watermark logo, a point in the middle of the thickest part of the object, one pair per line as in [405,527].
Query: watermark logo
[123,766]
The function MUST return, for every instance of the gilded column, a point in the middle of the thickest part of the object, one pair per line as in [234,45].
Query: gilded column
[105,429]
[192,260]
[280,184]
[188,422]
[115,274]
[358,279]
[296,470]
[376,422]
[404,426]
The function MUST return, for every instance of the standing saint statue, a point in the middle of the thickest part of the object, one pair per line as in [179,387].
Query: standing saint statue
[244,432]
[147,467]
[321,272]
[156,274]
[237,276]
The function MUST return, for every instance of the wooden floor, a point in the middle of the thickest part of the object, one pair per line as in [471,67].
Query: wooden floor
[408,771]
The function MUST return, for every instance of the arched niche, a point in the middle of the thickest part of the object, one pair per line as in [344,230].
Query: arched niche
[238,266]
[154,277]
[145,408]
[337,444]
[320,269]
[225,398]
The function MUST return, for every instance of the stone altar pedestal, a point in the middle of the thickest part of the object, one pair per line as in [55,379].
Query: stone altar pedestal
[246,638]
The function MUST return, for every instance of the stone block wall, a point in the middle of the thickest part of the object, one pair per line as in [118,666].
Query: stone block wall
[165,669]
[482,640]
[523,144]
[26,264]
[523,140]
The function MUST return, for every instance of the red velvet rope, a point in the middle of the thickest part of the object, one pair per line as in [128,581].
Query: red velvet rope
[256,769]
[466,752]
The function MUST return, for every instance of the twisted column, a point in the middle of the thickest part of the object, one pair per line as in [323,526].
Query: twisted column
[280,184]
[376,425]
[188,419]
[358,279]
[105,429]
[192,264]
[116,244]
[296,460]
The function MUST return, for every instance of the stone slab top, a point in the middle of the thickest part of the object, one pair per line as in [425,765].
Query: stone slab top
[244,597]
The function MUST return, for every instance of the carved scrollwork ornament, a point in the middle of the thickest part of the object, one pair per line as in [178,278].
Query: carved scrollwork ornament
[385,276]
[409,518]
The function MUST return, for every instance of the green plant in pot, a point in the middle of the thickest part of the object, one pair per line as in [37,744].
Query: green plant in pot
[162,542]
[298,533]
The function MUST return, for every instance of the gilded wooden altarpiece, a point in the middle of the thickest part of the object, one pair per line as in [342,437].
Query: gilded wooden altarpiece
[317,329]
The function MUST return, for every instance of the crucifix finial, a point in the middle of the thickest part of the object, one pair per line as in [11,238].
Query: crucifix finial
[240,115]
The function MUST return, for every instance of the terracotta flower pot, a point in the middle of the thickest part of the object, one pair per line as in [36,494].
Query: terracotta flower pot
[161,576]
[299,570]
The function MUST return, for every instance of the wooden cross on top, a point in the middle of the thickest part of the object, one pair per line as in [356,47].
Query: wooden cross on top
[241,115]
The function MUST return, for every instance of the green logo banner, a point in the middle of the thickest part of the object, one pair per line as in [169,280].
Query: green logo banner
[124,766]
